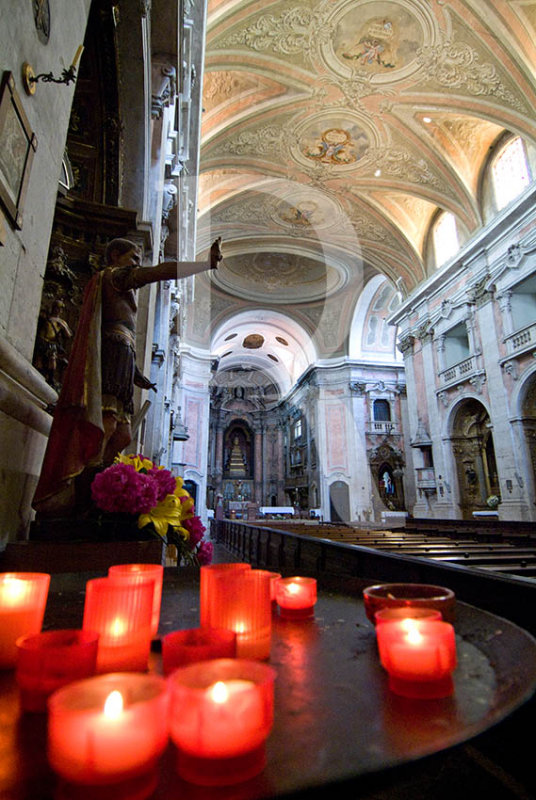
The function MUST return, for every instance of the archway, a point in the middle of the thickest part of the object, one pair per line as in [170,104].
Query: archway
[474,454]
[339,502]
[528,415]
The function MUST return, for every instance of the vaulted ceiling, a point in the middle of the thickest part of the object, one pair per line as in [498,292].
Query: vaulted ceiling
[333,131]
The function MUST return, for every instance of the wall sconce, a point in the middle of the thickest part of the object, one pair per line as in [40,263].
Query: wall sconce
[30,79]
[509,486]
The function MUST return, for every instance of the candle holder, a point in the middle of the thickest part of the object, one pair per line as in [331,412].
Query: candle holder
[419,655]
[273,577]
[47,661]
[409,595]
[180,648]
[122,614]
[23,598]
[296,597]
[239,600]
[109,731]
[221,713]
[405,612]
[135,573]
[209,574]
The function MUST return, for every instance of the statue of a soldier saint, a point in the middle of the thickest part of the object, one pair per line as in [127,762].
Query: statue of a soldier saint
[92,419]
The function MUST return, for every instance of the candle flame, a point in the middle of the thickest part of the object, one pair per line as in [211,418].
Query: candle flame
[113,705]
[413,636]
[13,589]
[293,588]
[118,627]
[219,692]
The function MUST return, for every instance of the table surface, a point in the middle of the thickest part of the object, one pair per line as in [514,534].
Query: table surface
[335,719]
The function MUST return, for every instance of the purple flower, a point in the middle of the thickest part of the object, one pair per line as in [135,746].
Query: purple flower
[165,481]
[120,488]
[196,529]
[205,552]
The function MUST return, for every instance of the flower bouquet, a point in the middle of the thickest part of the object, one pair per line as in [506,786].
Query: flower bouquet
[157,502]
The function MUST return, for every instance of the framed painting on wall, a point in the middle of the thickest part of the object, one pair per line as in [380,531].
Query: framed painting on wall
[18,144]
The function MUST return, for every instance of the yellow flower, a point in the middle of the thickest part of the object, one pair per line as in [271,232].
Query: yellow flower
[135,461]
[187,504]
[168,512]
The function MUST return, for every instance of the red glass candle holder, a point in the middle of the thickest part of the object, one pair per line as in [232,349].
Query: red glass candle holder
[109,730]
[296,597]
[409,595]
[196,644]
[122,614]
[47,661]
[221,713]
[273,576]
[139,572]
[208,574]
[419,655]
[405,612]
[23,598]
[239,601]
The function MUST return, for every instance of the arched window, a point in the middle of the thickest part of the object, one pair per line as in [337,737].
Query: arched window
[510,172]
[382,411]
[445,238]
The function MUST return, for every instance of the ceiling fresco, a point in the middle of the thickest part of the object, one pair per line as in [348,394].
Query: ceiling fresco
[332,133]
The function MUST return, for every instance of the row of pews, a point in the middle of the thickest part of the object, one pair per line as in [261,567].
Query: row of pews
[492,545]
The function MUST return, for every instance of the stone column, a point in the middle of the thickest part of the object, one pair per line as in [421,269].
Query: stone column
[280,467]
[505,304]
[258,476]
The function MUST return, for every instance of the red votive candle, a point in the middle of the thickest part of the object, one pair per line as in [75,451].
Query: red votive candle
[273,576]
[209,573]
[122,614]
[296,597]
[110,729]
[47,661]
[221,713]
[419,655]
[196,644]
[239,601]
[409,595]
[397,614]
[23,598]
[139,572]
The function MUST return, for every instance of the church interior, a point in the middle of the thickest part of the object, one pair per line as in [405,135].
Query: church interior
[364,354]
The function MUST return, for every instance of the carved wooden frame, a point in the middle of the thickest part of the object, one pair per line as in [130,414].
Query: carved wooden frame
[18,144]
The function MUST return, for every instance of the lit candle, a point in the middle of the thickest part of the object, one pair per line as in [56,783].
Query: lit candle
[296,597]
[273,576]
[108,729]
[122,614]
[135,573]
[23,597]
[240,601]
[221,713]
[47,661]
[409,595]
[394,614]
[419,655]
[196,644]
[209,574]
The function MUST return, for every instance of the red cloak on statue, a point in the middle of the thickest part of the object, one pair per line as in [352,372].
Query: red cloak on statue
[77,429]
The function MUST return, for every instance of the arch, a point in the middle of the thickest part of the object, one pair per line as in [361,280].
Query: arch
[282,348]
[474,456]
[339,502]
[371,337]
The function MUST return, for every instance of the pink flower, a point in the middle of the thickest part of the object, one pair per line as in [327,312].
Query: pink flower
[205,552]
[165,481]
[196,529]
[120,488]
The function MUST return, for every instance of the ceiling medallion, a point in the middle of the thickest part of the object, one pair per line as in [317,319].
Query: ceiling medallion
[41,12]
[253,341]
